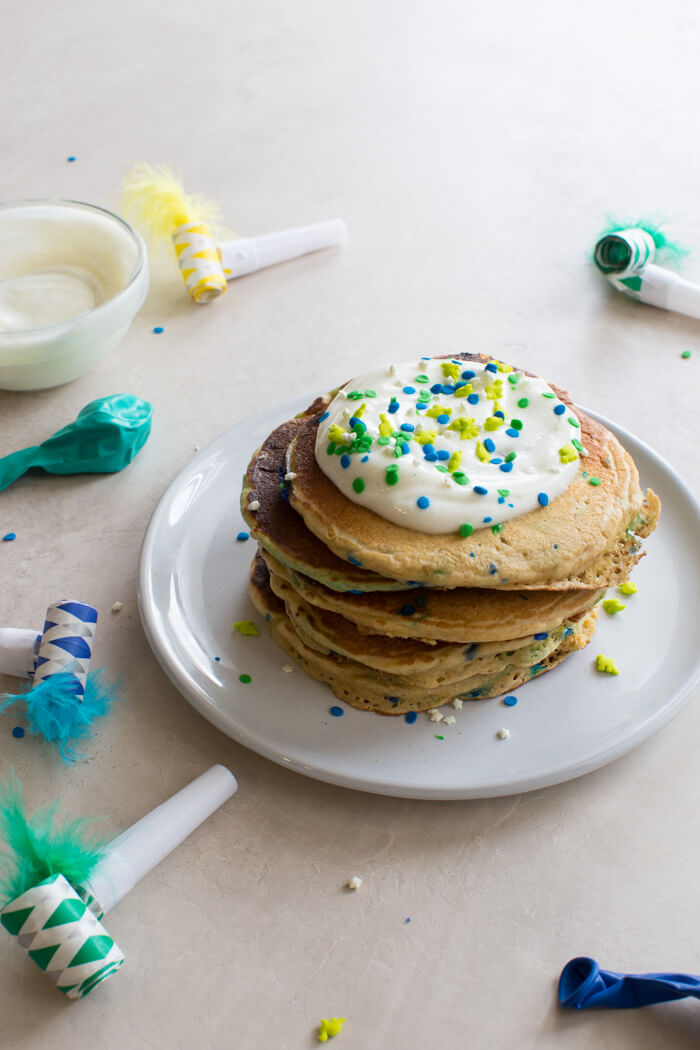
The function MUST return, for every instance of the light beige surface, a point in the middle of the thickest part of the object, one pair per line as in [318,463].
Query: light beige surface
[474,151]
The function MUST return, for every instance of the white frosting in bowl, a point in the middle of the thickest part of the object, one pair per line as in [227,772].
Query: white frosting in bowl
[446,445]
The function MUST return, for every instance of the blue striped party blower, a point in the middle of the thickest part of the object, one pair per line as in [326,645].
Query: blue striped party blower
[57,882]
[63,699]
[583,985]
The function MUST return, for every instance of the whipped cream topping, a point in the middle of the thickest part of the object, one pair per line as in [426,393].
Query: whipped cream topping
[446,445]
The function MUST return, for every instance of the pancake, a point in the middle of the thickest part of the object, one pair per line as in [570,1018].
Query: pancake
[585,538]
[458,615]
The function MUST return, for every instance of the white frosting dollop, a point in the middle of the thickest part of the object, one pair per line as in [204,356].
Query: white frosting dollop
[489,445]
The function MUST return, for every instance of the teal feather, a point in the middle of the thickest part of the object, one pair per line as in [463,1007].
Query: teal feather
[54,712]
[42,845]
[667,250]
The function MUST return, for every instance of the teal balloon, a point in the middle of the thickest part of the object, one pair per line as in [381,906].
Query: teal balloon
[104,438]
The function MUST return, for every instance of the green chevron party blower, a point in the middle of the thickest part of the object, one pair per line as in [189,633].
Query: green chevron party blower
[626,257]
[56,881]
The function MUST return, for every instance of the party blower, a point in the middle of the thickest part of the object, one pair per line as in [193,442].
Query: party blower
[155,200]
[626,258]
[61,884]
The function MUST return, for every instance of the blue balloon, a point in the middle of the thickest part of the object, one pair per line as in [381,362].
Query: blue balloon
[584,985]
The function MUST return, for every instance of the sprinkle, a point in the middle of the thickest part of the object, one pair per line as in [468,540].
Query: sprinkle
[354,561]
[473,399]
[254,504]
[628,588]
[593,480]
[443,454]
[466,529]
[450,369]
[217,659]
[370,393]
[510,701]
[480,490]
[409,390]
[158,329]
[435,715]
[542,499]
[685,355]
[324,416]
[481,452]
[336,711]
[574,423]
[242,537]
[458,704]
[468,374]
[443,418]
[246,627]
[407,609]
[577,444]
[345,460]
[567,454]
[358,485]
[506,467]
[606,664]
[541,635]
[393,407]
[495,529]
[354,883]
[487,520]
[460,477]
[549,395]
[354,395]
[559,410]
[422,378]
[523,402]
[489,445]
[493,569]
[411,717]
[454,461]
[9,536]
[71,160]
[438,736]
[513,378]
[117,607]
[491,367]
[512,432]
[613,605]
[287,668]
[392,474]
[408,427]
[18,732]
[502,734]
[245,678]
[331,1028]
[516,424]
[423,502]
[494,422]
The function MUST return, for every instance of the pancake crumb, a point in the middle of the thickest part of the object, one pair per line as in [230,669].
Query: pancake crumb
[287,668]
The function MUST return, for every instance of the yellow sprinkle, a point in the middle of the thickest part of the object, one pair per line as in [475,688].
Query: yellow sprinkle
[359,412]
[454,461]
[331,1028]
[503,368]
[628,588]
[438,410]
[493,422]
[605,663]
[481,452]
[246,627]
[613,605]
[336,433]
[449,368]
[466,428]
[462,391]
[567,454]
[385,430]
[494,390]
[425,437]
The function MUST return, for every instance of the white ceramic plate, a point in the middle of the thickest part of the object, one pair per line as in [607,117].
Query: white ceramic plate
[193,585]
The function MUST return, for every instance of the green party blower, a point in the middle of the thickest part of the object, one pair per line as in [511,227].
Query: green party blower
[626,258]
[58,884]
[104,438]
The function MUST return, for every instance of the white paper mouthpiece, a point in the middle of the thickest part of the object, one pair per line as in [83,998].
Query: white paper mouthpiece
[249,254]
[18,650]
[141,847]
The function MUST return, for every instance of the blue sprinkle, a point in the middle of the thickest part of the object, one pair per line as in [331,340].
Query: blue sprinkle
[431,457]
[354,561]
[422,359]
[407,609]
[559,410]
[243,536]
[345,460]
[499,415]
[496,461]
[336,711]
[491,368]
[408,919]
[512,432]
[394,699]
[18,732]
[354,420]
[409,390]
[393,407]
[423,502]
[415,583]
[493,569]
[429,448]
[436,388]
[505,467]
[467,374]
[510,701]
[487,520]
[568,631]
[217,659]
[490,445]
[472,554]
[480,490]
[511,505]
[408,427]
[10,536]
[556,546]
[501,499]
[447,388]
[324,416]
[541,636]
[285,495]
[356,592]
[542,499]
[411,717]
[473,399]
[71,160]
[443,418]
[460,384]
[405,449]
[158,329]
[364,459]
[443,454]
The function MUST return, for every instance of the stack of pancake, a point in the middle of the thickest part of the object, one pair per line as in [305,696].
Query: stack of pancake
[395,619]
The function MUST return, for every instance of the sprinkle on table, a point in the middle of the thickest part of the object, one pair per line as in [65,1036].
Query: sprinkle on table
[158,329]
[613,605]
[242,537]
[606,664]
[9,536]
[510,701]
[685,355]
[245,678]
[246,627]
[628,588]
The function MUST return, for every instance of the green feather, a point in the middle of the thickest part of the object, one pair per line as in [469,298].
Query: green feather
[667,250]
[42,845]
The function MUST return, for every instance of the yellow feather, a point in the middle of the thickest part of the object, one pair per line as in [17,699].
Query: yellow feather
[154,199]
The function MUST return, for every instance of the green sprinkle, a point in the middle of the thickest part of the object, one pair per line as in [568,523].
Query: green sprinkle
[383,440]
[422,379]
[330,448]
[584,473]
[549,395]
[574,422]
[245,678]
[339,449]
[504,492]
[511,456]
[628,588]
[495,529]
[398,451]
[513,378]
[577,444]
[358,485]
[516,424]
[613,605]
[438,737]
[424,395]
[523,402]
[392,474]
[355,395]
[370,393]
[466,529]
[594,481]
[685,355]
[442,468]
[460,477]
